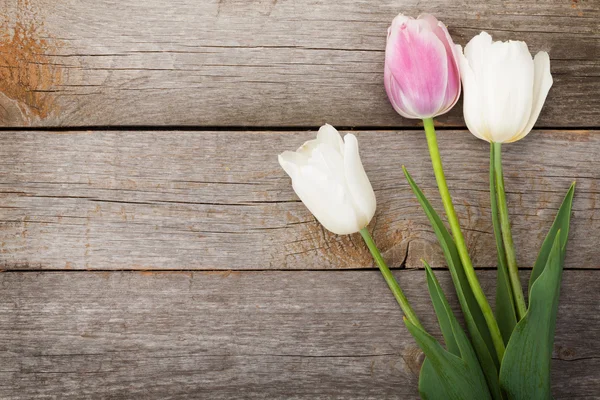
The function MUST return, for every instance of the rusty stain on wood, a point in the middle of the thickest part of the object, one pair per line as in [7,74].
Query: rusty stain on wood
[413,357]
[289,63]
[338,250]
[207,201]
[27,73]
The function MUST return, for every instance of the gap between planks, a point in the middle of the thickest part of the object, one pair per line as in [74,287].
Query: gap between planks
[241,128]
[250,270]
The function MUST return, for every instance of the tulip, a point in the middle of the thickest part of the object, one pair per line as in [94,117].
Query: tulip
[421,75]
[328,176]
[422,80]
[505,90]
[504,87]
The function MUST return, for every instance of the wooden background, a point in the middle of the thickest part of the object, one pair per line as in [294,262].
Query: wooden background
[152,248]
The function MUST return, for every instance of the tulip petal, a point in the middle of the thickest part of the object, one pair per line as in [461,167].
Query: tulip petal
[504,75]
[394,93]
[397,22]
[342,203]
[511,83]
[329,135]
[542,82]
[476,51]
[471,100]
[453,85]
[290,161]
[327,200]
[329,161]
[430,19]
[418,65]
[358,183]
[504,88]
[325,152]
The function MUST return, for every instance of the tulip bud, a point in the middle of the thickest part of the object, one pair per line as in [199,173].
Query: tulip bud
[504,87]
[421,74]
[328,176]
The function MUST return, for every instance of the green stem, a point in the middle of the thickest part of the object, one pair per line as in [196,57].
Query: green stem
[506,312]
[509,248]
[495,218]
[389,278]
[438,169]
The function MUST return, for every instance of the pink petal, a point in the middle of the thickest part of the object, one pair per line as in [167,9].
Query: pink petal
[453,86]
[418,66]
[394,93]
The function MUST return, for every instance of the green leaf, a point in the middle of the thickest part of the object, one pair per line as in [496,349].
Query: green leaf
[561,222]
[431,386]
[506,314]
[454,373]
[505,308]
[442,311]
[525,370]
[476,325]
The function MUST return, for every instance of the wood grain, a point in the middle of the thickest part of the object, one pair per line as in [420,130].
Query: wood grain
[219,200]
[293,335]
[200,201]
[260,62]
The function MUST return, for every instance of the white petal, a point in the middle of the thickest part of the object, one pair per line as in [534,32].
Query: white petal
[516,91]
[541,86]
[507,96]
[308,147]
[471,102]
[290,162]
[358,183]
[329,135]
[327,200]
[476,51]
[318,172]
[328,161]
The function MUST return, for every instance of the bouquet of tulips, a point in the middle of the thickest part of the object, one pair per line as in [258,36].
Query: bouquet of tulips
[506,354]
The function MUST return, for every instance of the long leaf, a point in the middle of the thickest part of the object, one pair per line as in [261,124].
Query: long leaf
[561,222]
[457,370]
[442,311]
[474,318]
[525,370]
[505,306]
[431,386]
[468,303]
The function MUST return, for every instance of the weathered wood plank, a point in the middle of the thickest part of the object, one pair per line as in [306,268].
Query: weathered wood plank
[219,200]
[259,63]
[303,335]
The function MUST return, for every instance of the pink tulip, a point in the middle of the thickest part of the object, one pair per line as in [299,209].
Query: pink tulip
[421,76]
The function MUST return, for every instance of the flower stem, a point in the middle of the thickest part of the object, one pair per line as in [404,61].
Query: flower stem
[509,248]
[460,240]
[495,217]
[389,278]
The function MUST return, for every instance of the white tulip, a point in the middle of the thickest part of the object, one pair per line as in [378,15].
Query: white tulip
[504,89]
[328,176]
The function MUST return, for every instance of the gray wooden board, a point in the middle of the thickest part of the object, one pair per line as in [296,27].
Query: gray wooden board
[261,62]
[219,200]
[220,335]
